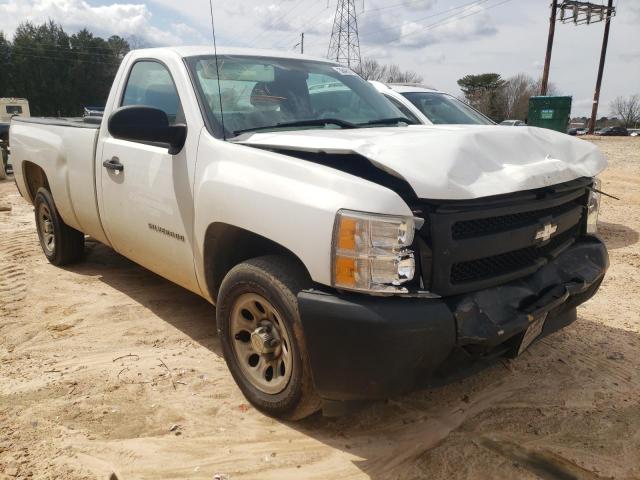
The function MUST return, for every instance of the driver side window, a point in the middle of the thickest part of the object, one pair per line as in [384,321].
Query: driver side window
[150,84]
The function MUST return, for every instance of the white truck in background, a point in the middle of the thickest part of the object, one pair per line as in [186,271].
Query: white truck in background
[9,108]
[428,106]
[349,254]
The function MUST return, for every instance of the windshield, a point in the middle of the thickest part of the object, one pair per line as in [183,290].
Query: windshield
[260,93]
[444,109]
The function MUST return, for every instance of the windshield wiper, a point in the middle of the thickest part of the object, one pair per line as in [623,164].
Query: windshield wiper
[302,123]
[389,121]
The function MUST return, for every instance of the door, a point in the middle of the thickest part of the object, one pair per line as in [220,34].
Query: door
[147,201]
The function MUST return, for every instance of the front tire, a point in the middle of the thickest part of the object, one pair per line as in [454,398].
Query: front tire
[262,339]
[61,244]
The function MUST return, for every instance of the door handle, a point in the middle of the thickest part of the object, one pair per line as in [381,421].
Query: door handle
[113,164]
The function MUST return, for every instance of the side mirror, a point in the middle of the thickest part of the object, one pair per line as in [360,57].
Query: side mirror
[138,123]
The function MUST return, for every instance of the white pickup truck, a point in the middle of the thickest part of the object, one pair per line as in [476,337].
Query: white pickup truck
[349,254]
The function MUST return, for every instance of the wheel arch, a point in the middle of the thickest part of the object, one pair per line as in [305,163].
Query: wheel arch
[34,178]
[226,246]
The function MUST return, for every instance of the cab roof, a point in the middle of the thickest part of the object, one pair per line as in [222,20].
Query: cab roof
[195,51]
[403,87]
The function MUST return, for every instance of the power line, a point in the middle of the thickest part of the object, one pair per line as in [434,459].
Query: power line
[581,13]
[69,45]
[73,51]
[423,18]
[64,59]
[305,26]
[446,20]
[275,22]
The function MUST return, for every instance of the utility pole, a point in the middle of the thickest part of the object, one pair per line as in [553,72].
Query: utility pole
[579,12]
[603,55]
[344,46]
[547,60]
[300,43]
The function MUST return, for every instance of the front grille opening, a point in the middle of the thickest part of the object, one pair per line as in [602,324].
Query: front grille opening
[504,223]
[505,263]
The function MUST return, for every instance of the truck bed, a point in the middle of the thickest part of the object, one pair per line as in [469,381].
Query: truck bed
[65,149]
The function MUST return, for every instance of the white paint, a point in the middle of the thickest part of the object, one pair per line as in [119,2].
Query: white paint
[455,162]
[289,201]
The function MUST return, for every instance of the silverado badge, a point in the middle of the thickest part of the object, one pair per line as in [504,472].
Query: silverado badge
[546,232]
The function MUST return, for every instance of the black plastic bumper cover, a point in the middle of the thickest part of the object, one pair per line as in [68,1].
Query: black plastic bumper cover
[364,347]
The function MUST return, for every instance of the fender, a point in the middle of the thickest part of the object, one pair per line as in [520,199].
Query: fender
[284,199]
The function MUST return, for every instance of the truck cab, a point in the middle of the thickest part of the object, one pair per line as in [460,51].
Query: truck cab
[349,253]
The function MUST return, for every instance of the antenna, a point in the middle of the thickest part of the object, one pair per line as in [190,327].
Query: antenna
[215,52]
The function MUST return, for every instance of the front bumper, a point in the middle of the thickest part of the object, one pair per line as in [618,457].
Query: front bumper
[363,347]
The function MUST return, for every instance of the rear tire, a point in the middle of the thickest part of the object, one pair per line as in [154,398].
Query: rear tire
[61,244]
[257,294]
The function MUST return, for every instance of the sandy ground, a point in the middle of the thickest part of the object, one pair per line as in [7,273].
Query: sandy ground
[108,371]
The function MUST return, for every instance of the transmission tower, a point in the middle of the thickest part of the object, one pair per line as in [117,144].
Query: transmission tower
[344,46]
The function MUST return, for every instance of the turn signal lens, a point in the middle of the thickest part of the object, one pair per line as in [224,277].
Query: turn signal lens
[371,254]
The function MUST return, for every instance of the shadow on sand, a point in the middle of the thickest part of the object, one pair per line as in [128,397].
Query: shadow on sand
[513,415]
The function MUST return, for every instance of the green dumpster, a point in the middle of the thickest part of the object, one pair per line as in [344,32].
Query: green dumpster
[550,112]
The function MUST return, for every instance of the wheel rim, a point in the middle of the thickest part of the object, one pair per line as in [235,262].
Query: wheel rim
[45,224]
[261,343]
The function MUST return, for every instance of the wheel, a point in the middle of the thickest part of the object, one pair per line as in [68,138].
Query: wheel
[262,339]
[61,244]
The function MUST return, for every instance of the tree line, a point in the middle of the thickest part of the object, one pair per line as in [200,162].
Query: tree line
[372,69]
[58,73]
[499,98]
[502,99]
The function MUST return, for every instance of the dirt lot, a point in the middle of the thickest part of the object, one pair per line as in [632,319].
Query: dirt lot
[108,371]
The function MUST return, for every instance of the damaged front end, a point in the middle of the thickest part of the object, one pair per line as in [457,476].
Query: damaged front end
[509,270]
[491,318]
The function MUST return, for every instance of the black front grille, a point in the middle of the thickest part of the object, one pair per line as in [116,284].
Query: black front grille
[504,223]
[478,244]
[505,263]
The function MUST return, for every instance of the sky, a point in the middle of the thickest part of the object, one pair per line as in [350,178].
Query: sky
[442,40]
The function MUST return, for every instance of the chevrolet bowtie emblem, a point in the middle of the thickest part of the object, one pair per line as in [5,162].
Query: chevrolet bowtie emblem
[546,232]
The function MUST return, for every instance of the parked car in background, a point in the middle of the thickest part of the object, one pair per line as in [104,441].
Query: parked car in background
[427,106]
[513,123]
[577,131]
[613,132]
[349,254]
[634,132]
[9,107]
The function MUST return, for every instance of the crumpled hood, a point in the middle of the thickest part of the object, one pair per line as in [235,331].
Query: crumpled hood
[457,162]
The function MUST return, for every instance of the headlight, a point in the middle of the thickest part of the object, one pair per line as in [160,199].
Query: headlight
[593,207]
[370,252]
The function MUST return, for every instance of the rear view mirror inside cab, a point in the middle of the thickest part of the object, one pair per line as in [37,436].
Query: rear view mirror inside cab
[238,71]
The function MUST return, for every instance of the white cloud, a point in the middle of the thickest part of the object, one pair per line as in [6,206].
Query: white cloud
[124,19]
[463,25]
[507,40]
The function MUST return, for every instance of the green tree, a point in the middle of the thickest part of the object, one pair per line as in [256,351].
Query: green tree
[483,92]
[5,66]
[58,73]
[40,58]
